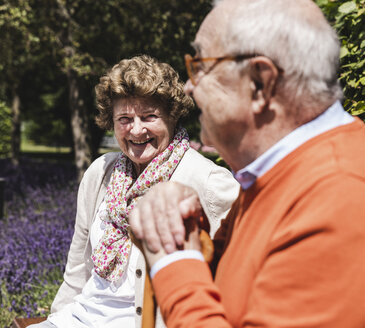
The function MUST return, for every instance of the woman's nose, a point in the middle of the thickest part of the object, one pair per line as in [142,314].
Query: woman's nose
[138,127]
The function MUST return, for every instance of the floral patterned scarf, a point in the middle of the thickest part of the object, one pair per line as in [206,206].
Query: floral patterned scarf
[111,255]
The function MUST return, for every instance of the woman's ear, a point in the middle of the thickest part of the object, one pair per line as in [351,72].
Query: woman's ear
[264,75]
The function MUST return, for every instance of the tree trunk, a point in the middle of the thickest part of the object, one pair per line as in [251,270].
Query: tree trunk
[81,131]
[15,129]
[80,125]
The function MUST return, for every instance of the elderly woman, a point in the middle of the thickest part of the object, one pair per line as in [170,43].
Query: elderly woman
[142,100]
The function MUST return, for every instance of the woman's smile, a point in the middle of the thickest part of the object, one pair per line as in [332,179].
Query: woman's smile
[140,142]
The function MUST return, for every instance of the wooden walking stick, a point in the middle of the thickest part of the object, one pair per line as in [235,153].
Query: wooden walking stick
[149,301]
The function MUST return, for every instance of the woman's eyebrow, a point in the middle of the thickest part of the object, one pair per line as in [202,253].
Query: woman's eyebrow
[121,113]
[148,110]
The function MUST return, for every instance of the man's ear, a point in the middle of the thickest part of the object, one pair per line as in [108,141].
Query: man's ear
[264,75]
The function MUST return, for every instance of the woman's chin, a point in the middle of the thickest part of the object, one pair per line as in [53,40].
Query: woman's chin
[141,158]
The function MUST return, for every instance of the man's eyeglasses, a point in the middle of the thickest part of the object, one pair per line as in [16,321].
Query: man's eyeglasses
[194,65]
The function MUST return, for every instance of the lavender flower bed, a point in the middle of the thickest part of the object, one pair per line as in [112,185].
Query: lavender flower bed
[35,235]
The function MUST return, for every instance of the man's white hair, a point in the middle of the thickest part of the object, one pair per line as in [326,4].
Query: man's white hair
[300,41]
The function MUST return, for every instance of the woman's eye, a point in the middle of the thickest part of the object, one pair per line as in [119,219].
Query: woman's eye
[124,120]
[150,117]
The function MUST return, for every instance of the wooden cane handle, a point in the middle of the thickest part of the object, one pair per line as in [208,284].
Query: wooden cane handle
[149,300]
[149,304]
[207,247]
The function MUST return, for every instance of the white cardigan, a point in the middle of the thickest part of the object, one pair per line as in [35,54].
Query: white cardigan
[215,185]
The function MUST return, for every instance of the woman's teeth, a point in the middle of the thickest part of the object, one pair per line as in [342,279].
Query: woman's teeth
[140,142]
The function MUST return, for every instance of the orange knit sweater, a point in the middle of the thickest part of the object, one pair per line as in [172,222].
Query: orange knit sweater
[292,250]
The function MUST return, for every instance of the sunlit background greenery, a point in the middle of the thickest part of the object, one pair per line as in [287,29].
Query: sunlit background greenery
[48,44]
[48,47]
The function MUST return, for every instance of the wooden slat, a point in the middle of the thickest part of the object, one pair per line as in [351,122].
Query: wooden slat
[25,322]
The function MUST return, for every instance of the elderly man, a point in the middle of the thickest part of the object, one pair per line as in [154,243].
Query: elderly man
[291,251]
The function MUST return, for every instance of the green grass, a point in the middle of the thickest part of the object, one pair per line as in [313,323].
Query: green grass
[51,153]
[107,150]
[29,147]
[43,152]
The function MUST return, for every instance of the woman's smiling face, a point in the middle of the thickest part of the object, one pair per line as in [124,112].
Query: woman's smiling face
[142,128]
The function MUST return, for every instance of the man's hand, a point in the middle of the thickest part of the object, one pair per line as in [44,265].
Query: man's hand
[192,241]
[159,216]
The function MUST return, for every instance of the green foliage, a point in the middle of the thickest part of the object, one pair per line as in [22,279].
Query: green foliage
[43,40]
[348,18]
[54,136]
[47,124]
[18,43]
[5,129]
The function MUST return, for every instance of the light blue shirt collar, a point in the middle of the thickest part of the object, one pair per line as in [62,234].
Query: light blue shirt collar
[333,117]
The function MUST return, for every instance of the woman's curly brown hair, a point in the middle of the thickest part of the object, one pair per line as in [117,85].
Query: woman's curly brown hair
[141,76]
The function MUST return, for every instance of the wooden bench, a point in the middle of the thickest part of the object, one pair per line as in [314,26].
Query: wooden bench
[25,322]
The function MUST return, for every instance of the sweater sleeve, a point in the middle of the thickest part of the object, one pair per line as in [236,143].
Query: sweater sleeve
[312,276]
[75,275]
[220,192]
[215,185]
[90,194]
[187,295]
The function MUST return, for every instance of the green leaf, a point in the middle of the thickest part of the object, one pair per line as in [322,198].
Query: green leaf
[322,3]
[359,109]
[352,83]
[344,52]
[347,7]
[361,81]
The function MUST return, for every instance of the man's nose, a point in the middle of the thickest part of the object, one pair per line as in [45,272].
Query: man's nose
[188,88]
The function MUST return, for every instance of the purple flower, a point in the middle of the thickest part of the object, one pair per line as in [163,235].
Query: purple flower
[36,232]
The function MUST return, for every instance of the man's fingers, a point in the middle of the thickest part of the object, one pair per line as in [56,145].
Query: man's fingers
[135,223]
[158,217]
[143,226]
[175,227]
[190,206]
[150,233]
[168,221]
[163,219]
